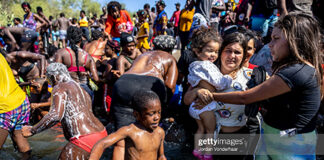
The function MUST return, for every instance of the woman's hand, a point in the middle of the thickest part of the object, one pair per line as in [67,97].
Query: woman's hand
[204,96]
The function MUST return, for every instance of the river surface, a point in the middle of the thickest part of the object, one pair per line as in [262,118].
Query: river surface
[48,144]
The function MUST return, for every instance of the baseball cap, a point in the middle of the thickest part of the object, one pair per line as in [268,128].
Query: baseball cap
[126,38]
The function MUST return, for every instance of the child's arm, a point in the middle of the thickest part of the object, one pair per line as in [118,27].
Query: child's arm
[106,142]
[161,155]
[38,105]
[190,95]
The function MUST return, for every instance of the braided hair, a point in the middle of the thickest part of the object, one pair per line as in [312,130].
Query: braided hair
[74,36]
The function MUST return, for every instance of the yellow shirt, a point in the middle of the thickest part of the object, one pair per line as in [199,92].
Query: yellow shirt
[142,42]
[186,18]
[83,22]
[11,95]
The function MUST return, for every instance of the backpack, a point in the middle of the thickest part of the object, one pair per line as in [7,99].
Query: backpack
[258,76]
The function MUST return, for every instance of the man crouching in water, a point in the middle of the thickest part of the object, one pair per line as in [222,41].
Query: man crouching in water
[71,106]
[144,138]
[155,71]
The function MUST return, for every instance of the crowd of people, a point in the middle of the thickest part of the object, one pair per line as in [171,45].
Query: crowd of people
[246,67]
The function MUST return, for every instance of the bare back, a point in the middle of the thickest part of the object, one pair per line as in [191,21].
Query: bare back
[63,23]
[96,49]
[158,64]
[78,118]
[85,60]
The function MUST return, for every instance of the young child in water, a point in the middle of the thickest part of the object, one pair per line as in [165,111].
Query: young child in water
[203,73]
[144,138]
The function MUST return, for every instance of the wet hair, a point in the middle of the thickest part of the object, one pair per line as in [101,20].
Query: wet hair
[202,36]
[25,4]
[95,34]
[51,50]
[39,9]
[141,99]
[54,69]
[303,35]
[62,14]
[111,5]
[146,5]
[18,19]
[228,39]
[74,36]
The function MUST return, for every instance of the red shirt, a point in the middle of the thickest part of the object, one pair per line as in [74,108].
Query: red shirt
[175,17]
[251,66]
[115,26]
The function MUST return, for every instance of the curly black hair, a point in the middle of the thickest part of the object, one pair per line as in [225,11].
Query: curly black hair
[142,98]
[113,4]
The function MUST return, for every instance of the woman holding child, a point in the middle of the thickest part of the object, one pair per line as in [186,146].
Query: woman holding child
[293,91]
[228,76]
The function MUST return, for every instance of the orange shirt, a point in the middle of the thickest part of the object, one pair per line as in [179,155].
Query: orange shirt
[114,27]
[186,18]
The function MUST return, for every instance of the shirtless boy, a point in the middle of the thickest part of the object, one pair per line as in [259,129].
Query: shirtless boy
[129,53]
[63,24]
[144,138]
[156,71]
[72,107]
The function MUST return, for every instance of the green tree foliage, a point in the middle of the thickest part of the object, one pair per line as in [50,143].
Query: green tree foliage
[10,9]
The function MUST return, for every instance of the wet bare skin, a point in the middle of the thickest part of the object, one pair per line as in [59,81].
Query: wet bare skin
[123,64]
[96,49]
[11,32]
[143,139]
[25,58]
[139,143]
[158,64]
[71,106]
[63,56]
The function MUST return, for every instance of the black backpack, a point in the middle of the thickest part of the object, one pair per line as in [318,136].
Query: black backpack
[258,76]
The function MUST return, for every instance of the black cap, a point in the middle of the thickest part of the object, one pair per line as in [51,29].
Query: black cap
[161,2]
[126,38]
